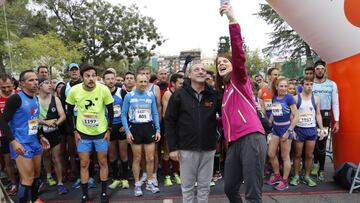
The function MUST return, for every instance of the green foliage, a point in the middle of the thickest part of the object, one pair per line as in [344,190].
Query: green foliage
[284,40]
[256,64]
[106,30]
[46,50]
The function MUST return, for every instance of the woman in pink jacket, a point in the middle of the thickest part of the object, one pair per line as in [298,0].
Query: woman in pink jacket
[242,128]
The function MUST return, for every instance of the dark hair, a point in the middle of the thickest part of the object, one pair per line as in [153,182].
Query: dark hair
[309,68]
[108,72]
[15,82]
[258,75]
[86,68]
[129,73]
[152,78]
[307,79]
[175,77]
[255,86]
[22,74]
[320,62]
[271,70]
[4,77]
[39,67]
[143,68]
[219,82]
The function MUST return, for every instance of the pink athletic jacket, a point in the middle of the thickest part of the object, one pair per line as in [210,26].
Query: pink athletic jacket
[239,116]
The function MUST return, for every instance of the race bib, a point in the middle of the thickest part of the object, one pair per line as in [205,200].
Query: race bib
[33,126]
[268,104]
[306,119]
[142,115]
[90,120]
[117,111]
[277,109]
[48,129]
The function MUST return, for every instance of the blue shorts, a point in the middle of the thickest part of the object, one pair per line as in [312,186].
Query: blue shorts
[31,149]
[305,134]
[281,130]
[85,145]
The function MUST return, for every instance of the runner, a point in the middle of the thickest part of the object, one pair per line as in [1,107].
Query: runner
[118,142]
[43,71]
[327,91]
[309,112]
[176,81]
[51,116]
[91,128]
[246,154]
[265,94]
[22,113]
[284,117]
[142,130]
[6,90]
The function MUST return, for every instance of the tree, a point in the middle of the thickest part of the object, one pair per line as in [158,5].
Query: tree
[106,30]
[255,64]
[47,50]
[284,40]
[16,22]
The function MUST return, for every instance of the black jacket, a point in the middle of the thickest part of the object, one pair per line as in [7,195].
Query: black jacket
[190,124]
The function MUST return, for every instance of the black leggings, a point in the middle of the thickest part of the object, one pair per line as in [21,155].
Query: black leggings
[320,153]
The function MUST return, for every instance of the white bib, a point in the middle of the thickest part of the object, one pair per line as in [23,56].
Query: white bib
[117,111]
[268,104]
[277,109]
[142,115]
[90,120]
[306,119]
[33,126]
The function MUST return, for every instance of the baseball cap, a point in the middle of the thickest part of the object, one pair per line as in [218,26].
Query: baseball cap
[73,65]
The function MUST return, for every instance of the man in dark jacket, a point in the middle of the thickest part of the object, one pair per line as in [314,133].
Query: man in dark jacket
[190,127]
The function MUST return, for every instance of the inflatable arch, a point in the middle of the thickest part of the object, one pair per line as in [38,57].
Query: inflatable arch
[332,29]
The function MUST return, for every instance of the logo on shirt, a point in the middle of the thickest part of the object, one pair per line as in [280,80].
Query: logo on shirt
[90,103]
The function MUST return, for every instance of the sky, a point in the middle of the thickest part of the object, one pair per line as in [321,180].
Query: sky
[197,24]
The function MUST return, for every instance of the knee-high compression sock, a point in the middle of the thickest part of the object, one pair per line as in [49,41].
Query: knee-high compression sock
[165,167]
[115,169]
[125,170]
[176,167]
[35,189]
[23,193]
[217,162]
[103,186]
[322,153]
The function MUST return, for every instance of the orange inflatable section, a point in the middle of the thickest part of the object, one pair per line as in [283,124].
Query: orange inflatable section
[352,13]
[346,143]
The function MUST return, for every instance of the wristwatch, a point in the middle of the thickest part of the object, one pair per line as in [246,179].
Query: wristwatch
[290,131]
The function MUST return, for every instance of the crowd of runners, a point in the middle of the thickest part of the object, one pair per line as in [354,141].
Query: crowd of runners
[122,131]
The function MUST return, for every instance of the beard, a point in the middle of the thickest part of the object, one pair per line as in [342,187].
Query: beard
[319,76]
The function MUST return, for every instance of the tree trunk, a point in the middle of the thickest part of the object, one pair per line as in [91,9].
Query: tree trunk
[309,57]
[2,66]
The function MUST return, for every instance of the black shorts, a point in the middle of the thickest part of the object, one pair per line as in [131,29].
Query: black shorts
[143,133]
[53,138]
[115,134]
[4,145]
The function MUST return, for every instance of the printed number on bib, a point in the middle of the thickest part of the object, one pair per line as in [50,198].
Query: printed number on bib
[117,111]
[142,115]
[306,119]
[277,109]
[268,104]
[90,120]
[33,126]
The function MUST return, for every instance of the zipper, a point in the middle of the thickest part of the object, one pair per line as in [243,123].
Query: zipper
[242,95]
[241,115]
[227,120]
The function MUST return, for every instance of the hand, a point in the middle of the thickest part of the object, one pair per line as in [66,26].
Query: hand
[228,11]
[18,148]
[77,136]
[175,155]
[336,127]
[130,138]
[121,129]
[322,134]
[107,135]
[285,137]
[157,137]
[44,143]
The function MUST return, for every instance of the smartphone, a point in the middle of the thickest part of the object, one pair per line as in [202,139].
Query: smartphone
[222,2]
